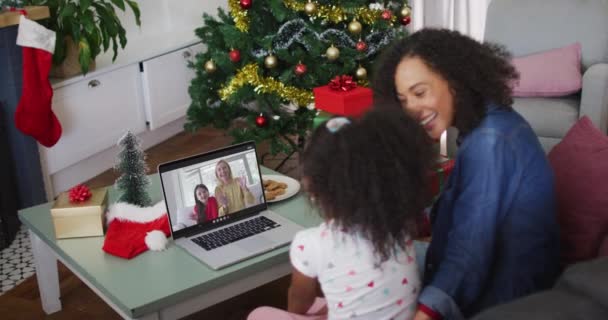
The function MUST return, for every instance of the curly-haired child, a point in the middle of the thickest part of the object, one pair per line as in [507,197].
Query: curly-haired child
[367,176]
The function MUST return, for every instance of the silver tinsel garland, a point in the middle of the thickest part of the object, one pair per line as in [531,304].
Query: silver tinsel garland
[294,31]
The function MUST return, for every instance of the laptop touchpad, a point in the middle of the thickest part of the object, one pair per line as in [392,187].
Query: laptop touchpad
[256,244]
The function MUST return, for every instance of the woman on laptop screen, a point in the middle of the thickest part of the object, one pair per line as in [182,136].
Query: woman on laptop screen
[231,193]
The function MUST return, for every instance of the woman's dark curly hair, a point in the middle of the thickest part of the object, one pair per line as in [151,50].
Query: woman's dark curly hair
[371,176]
[477,74]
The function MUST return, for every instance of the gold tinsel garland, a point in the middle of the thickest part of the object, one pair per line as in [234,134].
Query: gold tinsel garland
[332,13]
[241,20]
[337,14]
[248,75]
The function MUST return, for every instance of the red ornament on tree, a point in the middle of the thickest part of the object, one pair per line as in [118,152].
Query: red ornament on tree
[300,69]
[261,121]
[235,55]
[79,193]
[405,20]
[386,15]
[361,46]
[246,4]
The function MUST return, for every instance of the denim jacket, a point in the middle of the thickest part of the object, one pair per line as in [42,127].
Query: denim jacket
[495,232]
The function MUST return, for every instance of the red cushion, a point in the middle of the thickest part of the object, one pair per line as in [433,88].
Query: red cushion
[580,163]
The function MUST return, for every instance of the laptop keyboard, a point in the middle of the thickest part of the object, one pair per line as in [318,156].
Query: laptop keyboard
[234,233]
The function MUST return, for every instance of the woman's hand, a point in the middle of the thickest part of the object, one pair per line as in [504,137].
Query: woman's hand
[222,199]
[242,183]
[193,216]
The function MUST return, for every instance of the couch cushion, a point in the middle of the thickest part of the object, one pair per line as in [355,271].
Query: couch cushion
[587,278]
[549,117]
[603,250]
[551,73]
[528,26]
[580,293]
[581,181]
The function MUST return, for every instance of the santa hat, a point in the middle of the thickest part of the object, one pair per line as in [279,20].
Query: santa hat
[133,230]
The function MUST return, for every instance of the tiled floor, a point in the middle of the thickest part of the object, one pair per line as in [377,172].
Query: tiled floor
[16,262]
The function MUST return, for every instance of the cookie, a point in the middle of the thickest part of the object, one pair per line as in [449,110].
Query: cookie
[269,195]
[273,185]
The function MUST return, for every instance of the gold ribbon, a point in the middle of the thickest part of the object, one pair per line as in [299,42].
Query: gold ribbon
[248,75]
[239,15]
[337,14]
[332,13]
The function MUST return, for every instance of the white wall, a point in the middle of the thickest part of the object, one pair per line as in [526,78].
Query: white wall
[158,16]
[466,16]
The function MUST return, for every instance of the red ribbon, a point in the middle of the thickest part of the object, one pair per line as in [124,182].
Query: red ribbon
[80,193]
[22,11]
[342,83]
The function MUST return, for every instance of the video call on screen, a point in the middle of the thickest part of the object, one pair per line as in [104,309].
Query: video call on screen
[213,189]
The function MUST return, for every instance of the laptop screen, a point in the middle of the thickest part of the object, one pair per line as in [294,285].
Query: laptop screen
[211,188]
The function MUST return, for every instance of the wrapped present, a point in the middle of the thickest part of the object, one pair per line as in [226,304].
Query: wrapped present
[343,97]
[77,216]
[440,175]
[438,178]
[321,117]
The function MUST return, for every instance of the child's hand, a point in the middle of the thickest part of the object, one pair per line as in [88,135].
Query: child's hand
[421,316]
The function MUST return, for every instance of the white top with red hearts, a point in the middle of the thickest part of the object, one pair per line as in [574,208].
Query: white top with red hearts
[355,284]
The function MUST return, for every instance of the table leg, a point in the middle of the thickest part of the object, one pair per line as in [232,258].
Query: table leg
[46,274]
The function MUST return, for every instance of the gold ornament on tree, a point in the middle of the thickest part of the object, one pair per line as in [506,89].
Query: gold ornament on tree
[271,61]
[406,11]
[332,53]
[210,66]
[361,73]
[310,8]
[355,27]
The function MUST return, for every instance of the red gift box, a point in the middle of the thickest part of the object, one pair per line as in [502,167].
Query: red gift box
[438,178]
[353,102]
[440,175]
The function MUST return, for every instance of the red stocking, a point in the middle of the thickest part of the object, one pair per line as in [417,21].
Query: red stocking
[34,116]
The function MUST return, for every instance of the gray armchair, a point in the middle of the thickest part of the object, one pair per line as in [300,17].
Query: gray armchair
[530,26]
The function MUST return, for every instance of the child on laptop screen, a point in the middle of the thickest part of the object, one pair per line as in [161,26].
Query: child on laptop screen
[368,178]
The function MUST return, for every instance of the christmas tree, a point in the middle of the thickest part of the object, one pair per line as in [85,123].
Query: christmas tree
[264,58]
[133,181]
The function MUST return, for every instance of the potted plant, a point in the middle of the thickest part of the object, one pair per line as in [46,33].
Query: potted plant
[85,28]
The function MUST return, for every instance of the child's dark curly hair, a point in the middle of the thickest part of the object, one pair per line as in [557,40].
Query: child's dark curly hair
[477,74]
[371,176]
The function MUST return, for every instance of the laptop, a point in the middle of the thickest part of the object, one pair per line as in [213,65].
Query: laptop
[235,224]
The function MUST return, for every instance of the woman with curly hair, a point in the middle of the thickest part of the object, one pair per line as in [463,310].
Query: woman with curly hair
[495,234]
[362,255]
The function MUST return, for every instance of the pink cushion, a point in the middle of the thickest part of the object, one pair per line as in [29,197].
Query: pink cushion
[550,73]
[580,163]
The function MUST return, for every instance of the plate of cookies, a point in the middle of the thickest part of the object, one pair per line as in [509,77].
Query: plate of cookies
[277,187]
